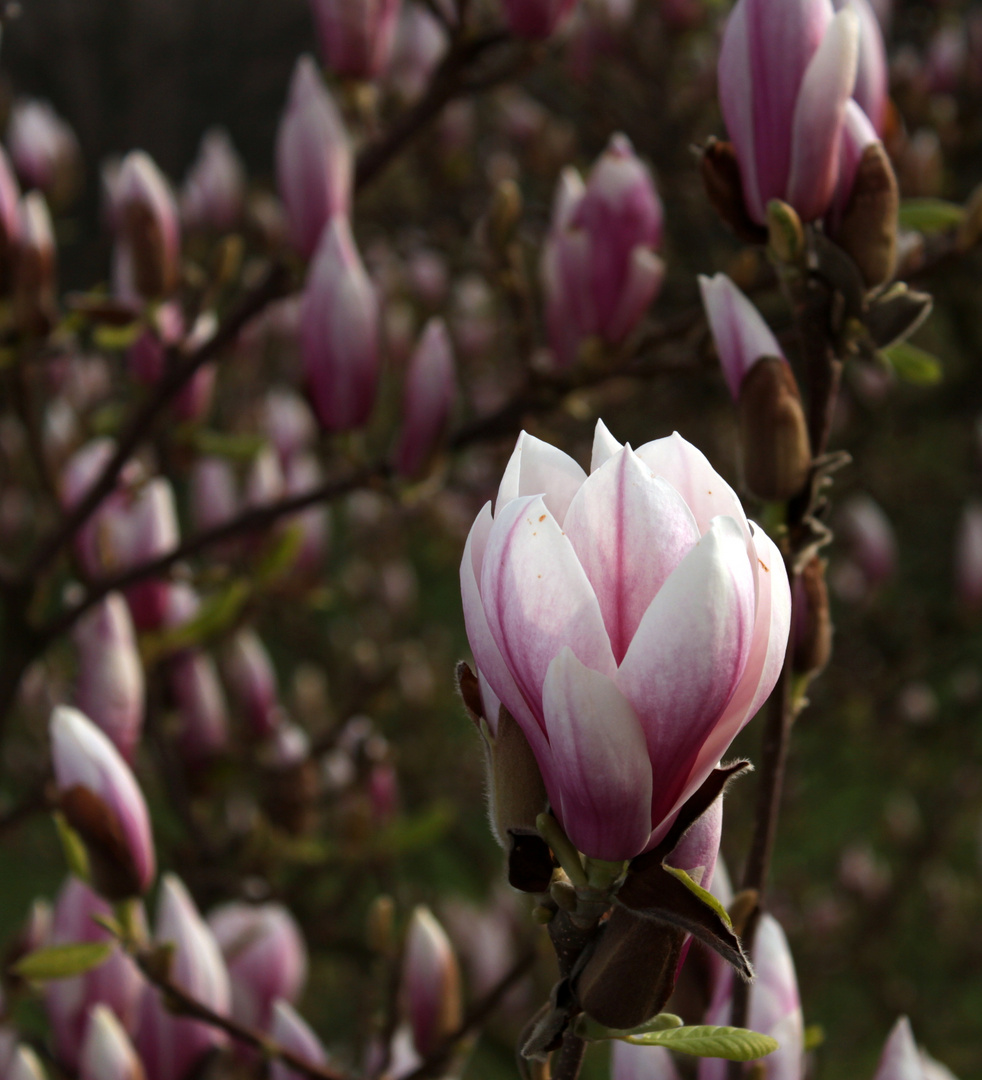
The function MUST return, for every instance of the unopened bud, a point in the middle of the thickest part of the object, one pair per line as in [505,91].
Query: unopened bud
[724,189]
[293,1033]
[785,234]
[431,992]
[148,230]
[813,624]
[505,213]
[379,924]
[24,1065]
[107,1053]
[773,431]
[34,273]
[868,229]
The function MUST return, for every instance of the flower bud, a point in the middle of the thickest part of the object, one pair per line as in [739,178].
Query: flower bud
[599,267]
[116,983]
[968,558]
[266,958]
[355,35]
[339,332]
[773,429]
[10,220]
[314,164]
[80,473]
[103,803]
[34,267]
[147,254]
[265,482]
[871,541]
[786,70]
[147,359]
[107,1053]
[251,678]
[812,621]
[420,42]
[288,423]
[213,196]
[24,1065]
[864,221]
[171,1046]
[431,994]
[720,172]
[293,1033]
[314,524]
[214,498]
[872,88]
[536,19]
[200,700]
[44,149]
[110,684]
[428,397]
[775,1008]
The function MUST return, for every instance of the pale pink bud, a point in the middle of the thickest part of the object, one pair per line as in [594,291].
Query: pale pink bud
[775,1007]
[786,70]
[171,1046]
[24,1065]
[266,958]
[431,995]
[900,1058]
[293,1033]
[599,267]
[968,557]
[146,260]
[430,389]
[314,164]
[35,265]
[198,694]
[43,147]
[339,332]
[80,473]
[251,679]
[420,43]
[8,1047]
[107,1053]
[741,335]
[635,594]
[537,19]
[147,358]
[428,276]
[864,526]
[264,482]
[10,224]
[110,684]
[213,196]
[947,58]
[288,423]
[872,88]
[214,495]
[103,802]
[116,983]
[303,474]
[355,35]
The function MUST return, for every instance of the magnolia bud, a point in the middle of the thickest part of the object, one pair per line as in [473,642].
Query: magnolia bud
[288,422]
[773,431]
[116,983]
[103,803]
[812,621]
[303,474]
[293,1033]
[429,394]
[420,42]
[147,256]
[110,685]
[968,558]
[720,173]
[171,1045]
[198,694]
[431,995]
[34,267]
[536,19]
[44,149]
[356,35]
[313,158]
[867,230]
[339,332]
[266,958]
[107,1053]
[214,498]
[10,221]
[213,196]
[251,678]
[24,1065]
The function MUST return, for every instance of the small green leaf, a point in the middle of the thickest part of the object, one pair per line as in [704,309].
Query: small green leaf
[705,1040]
[214,617]
[704,894]
[589,1029]
[73,847]
[62,961]
[107,336]
[930,215]
[914,365]
[281,555]
[814,1037]
[221,444]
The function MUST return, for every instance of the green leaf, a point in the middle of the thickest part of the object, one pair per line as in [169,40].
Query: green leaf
[704,894]
[589,1029]
[73,848]
[107,336]
[930,215]
[705,1040]
[221,444]
[214,617]
[281,554]
[62,961]
[814,1037]
[914,365]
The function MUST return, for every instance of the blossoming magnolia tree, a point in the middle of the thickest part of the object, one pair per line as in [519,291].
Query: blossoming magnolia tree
[240,469]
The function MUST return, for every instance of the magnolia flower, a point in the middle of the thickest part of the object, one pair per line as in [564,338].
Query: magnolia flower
[431,997]
[431,385]
[107,1053]
[631,621]
[787,68]
[356,35]
[293,1033]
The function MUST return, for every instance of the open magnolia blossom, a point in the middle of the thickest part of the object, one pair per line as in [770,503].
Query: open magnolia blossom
[631,621]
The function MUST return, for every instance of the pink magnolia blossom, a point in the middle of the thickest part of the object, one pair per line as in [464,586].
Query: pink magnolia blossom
[632,622]
[146,258]
[110,685]
[293,1033]
[84,757]
[872,88]
[741,335]
[43,147]
[266,958]
[116,983]
[786,70]
[251,678]
[901,1059]
[340,331]
[313,158]
[775,1007]
[431,386]
[599,266]
[431,994]
[107,1053]
[968,557]
[537,19]
[214,190]
[171,1046]
[356,35]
